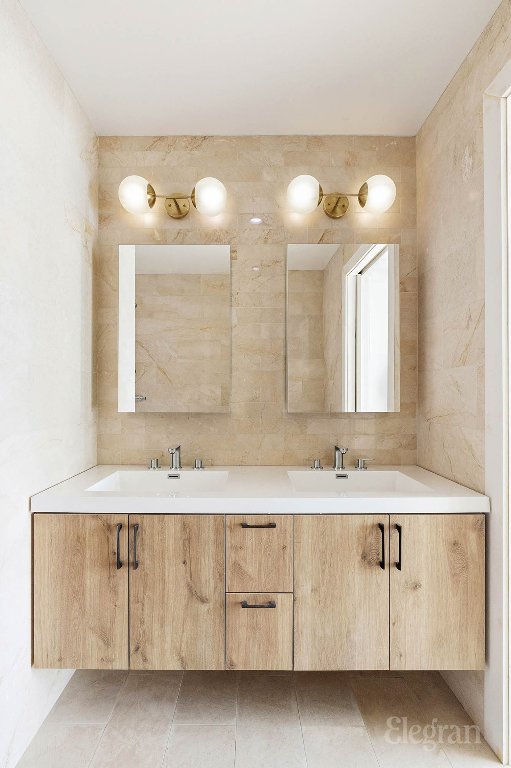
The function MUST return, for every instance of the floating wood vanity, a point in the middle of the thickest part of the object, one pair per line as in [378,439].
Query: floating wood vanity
[258,591]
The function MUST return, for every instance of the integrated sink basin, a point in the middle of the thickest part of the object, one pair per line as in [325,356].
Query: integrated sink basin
[257,490]
[352,481]
[162,482]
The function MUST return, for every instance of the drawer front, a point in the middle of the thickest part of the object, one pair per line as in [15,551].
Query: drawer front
[259,553]
[259,631]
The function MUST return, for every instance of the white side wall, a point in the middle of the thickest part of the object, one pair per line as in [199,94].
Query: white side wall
[48,224]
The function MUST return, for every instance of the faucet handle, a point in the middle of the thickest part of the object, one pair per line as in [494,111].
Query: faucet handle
[361,464]
[316,464]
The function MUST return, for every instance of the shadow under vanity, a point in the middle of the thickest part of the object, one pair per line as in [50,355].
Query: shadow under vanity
[259,568]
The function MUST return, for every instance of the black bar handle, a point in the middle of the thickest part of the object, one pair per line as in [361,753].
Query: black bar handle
[382,561]
[118,563]
[399,561]
[263,525]
[135,534]
[269,604]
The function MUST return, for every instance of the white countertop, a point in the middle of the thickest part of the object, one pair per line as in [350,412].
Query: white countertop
[255,490]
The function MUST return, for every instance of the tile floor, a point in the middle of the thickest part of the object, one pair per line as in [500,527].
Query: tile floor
[256,720]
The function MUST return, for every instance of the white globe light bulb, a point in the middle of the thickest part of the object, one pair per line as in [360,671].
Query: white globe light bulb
[209,196]
[303,194]
[381,193]
[136,194]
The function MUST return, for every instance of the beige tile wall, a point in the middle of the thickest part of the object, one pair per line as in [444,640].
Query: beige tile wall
[450,424]
[256,171]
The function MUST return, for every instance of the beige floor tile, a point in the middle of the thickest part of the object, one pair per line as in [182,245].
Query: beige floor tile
[208,698]
[137,732]
[390,709]
[264,699]
[62,746]
[332,746]
[326,698]
[269,746]
[200,746]
[471,755]
[89,697]
[435,699]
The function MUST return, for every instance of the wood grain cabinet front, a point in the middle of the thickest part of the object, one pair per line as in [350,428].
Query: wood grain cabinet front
[341,592]
[259,631]
[177,592]
[259,551]
[437,600]
[80,594]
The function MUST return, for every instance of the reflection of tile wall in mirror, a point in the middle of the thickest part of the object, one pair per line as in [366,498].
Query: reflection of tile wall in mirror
[183,328]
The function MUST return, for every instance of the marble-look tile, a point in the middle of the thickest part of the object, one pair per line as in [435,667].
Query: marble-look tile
[326,698]
[137,732]
[271,746]
[200,746]
[330,746]
[62,746]
[89,697]
[208,698]
[267,699]
[256,171]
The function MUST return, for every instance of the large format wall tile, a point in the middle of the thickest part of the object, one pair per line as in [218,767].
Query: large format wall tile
[256,171]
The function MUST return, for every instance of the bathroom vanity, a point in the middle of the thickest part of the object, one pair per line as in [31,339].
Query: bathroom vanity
[259,568]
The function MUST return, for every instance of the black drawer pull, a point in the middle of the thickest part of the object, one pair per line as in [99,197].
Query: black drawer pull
[135,534]
[269,604]
[262,525]
[399,561]
[118,561]
[382,561]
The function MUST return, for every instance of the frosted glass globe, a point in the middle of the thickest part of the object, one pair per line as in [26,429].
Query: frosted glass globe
[303,194]
[381,193]
[133,194]
[209,196]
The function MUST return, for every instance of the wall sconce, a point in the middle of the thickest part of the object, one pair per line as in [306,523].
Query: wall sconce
[376,195]
[137,195]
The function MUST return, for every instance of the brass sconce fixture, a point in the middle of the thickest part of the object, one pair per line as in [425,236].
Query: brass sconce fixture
[376,195]
[138,196]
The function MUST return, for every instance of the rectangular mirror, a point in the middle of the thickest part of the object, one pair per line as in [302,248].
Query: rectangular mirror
[342,328]
[174,328]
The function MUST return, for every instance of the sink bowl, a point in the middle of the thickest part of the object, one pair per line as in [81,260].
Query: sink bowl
[162,482]
[370,481]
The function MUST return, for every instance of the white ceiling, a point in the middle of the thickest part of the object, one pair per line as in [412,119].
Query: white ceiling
[259,66]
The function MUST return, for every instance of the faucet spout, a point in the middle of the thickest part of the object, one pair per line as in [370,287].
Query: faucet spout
[175,458]
[339,454]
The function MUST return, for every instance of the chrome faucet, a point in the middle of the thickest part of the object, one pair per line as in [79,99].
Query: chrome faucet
[175,458]
[339,454]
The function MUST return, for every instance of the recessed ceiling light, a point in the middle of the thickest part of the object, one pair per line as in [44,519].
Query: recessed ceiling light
[256,220]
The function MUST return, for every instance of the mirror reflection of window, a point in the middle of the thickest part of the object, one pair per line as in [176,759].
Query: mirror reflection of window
[372,345]
[342,328]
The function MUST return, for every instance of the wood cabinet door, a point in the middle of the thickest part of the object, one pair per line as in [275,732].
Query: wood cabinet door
[341,610]
[437,592]
[177,592]
[80,596]
[259,553]
[259,631]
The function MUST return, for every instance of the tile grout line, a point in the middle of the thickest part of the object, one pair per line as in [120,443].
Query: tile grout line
[166,748]
[366,729]
[121,689]
[236,720]
[300,721]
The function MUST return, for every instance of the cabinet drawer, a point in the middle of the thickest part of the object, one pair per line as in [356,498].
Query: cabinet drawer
[259,631]
[259,553]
